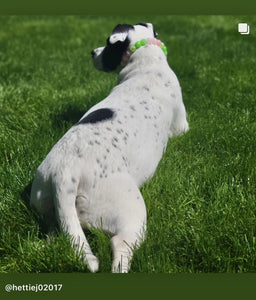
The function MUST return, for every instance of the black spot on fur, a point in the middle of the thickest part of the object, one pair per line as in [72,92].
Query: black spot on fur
[98,115]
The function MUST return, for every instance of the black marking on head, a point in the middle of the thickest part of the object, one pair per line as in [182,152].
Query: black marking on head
[98,115]
[146,25]
[113,53]
[143,24]
[122,28]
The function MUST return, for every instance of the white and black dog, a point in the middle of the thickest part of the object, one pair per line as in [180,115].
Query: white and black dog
[91,177]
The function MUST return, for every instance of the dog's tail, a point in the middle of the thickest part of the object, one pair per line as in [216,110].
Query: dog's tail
[65,206]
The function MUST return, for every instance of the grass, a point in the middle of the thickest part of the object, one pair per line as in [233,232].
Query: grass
[201,202]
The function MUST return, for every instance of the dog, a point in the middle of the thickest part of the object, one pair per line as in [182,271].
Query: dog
[91,177]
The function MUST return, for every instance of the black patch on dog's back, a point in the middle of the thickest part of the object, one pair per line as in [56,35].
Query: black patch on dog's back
[96,116]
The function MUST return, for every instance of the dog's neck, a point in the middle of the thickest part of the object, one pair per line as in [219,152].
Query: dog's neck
[141,43]
[143,60]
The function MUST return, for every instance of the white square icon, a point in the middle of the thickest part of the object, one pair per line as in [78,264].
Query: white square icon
[243,28]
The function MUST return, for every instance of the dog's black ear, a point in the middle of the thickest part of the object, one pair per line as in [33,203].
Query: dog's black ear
[120,33]
[117,44]
[113,53]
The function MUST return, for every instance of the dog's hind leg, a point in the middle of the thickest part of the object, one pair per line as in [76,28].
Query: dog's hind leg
[123,245]
[68,220]
[130,218]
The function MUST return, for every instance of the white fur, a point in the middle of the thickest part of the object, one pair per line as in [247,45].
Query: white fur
[91,177]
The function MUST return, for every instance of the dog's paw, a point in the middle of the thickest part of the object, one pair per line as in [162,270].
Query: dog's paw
[92,262]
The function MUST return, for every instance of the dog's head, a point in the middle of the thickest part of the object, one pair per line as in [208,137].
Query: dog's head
[109,57]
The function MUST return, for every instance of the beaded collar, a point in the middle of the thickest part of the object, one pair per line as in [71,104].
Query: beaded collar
[137,45]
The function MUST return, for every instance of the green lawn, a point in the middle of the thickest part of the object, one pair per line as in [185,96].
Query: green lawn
[200,203]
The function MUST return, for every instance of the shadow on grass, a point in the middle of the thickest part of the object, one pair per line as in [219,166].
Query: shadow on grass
[68,116]
[25,197]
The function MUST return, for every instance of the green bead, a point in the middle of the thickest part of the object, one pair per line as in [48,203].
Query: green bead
[165,50]
[162,46]
[132,48]
[137,45]
[143,42]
